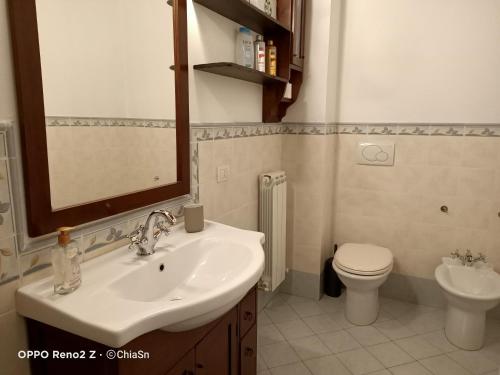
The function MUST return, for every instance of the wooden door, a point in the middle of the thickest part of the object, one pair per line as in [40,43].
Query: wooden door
[217,353]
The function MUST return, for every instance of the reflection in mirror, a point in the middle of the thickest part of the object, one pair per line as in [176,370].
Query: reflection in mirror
[109,97]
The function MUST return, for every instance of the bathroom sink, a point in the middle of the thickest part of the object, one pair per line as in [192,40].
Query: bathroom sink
[191,280]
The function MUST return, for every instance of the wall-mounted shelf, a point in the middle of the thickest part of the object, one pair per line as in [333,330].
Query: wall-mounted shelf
[242,12]
[229,69]
[289,60]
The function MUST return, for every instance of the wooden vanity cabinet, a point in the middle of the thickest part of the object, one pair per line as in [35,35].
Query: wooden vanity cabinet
[227,346]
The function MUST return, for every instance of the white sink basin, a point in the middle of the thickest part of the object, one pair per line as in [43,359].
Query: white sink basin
[192,279]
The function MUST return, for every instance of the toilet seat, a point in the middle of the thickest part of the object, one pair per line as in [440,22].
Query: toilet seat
[363,259]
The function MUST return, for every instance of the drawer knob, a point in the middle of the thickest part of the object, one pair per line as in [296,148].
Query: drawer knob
[249,352]
[248,315]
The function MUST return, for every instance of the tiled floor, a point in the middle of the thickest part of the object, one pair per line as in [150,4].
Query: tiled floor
[297,336]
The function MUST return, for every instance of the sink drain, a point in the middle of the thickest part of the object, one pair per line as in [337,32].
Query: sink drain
[162,267]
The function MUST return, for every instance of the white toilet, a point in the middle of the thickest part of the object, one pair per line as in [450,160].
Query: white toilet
[363,268]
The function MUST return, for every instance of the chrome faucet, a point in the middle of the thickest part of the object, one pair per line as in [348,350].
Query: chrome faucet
[468,259]
[143,240]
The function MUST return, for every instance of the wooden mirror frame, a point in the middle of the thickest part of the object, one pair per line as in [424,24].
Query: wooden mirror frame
[41,218]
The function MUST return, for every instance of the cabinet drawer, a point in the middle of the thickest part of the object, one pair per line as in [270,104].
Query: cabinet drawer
[248,312]
[248,353]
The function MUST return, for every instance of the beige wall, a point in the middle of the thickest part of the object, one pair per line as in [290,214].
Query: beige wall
[235,202]
[307,161]
[399,207]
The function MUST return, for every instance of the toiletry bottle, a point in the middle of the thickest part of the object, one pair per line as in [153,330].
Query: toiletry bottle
[260,53]
[271,58]
[66,263]
[244,48]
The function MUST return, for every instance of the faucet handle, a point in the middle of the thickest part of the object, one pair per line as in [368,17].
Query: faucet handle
[135,237]
[482,258]
[170,217]
[455,254]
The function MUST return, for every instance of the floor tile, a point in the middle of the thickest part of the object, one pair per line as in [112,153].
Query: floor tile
[394,329]
[413,368]
[263,319]
[394,307]
[309,347]
[367,335]
[280,314]
[425,322]
[279,354]
[291,299]
[389,354]
[381,372]
[261,366]
[305,309]
[339,342]
[383,316]
[275,302]
[322,324]
[442,365]
[326,366]
[294,329]
[269,335]
[473,361]
[339,318]
[294,369]
[418,348]
[438,339]
[360,362]
[492,351]
[330,304]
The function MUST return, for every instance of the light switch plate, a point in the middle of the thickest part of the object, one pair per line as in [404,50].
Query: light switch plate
[376,153]
[223,173]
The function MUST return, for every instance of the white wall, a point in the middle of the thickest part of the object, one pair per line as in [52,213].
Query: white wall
[311,105]
[421,61]
[215,98]
[107,58]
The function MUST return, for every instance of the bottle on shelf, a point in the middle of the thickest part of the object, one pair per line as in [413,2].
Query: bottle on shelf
[244,48]
[260,54]
[271,58]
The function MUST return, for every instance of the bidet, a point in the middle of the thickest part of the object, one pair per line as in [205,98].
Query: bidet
[470,291]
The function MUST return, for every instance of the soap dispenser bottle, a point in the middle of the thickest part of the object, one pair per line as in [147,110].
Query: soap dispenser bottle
[66,263]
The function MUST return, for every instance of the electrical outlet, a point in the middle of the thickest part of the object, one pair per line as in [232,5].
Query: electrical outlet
[223,173]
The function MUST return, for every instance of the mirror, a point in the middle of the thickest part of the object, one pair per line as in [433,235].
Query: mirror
[109,96]
[103,106]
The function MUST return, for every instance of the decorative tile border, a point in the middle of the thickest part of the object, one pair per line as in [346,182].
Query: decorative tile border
[215,132]
[109,122]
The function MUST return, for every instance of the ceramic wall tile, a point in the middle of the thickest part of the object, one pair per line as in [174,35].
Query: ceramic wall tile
[9,269]
[401,205]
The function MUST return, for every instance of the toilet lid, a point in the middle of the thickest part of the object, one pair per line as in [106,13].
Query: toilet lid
[363,259]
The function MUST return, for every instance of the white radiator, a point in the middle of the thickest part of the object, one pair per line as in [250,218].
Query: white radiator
[272,222]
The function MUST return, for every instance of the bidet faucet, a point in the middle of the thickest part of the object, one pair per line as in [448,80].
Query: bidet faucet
[468,259]
[144,239]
